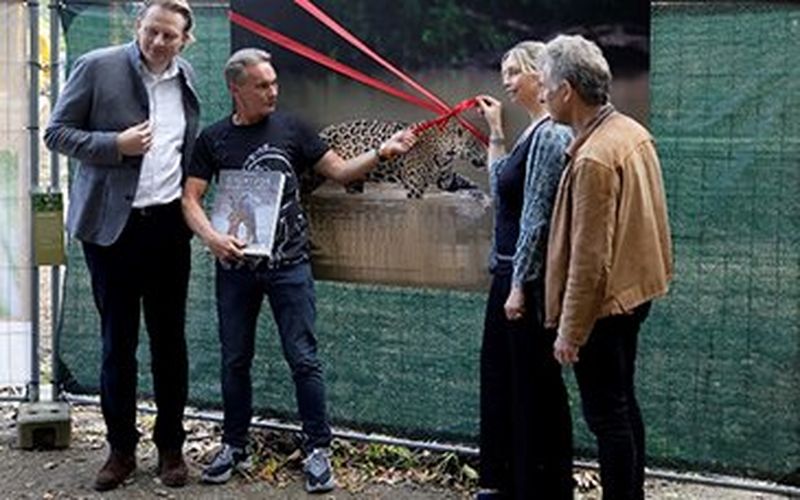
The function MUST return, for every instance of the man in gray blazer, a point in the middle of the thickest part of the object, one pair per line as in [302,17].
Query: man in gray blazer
[130,115]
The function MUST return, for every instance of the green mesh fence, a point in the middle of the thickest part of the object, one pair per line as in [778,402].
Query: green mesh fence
[722,368]
[719,365]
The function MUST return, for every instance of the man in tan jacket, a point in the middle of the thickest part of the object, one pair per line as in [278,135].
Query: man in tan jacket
[609,254]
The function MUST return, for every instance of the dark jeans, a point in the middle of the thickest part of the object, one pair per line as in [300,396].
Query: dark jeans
[147,267]
[526,428]
[605,375]
[290,291]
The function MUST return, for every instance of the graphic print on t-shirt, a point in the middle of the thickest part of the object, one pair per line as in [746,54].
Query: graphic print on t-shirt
[292,225]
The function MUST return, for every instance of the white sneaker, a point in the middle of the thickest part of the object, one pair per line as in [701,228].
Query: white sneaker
[318,471]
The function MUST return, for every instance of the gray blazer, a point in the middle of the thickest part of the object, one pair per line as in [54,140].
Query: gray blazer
[105,95]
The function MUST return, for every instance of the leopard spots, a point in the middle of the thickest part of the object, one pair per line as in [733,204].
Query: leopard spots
[430,163]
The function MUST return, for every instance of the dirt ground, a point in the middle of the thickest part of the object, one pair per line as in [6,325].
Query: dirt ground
[68,474]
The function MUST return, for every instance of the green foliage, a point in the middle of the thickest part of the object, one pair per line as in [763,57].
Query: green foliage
[419,34]
[390,456]
[454,32]
[47,202]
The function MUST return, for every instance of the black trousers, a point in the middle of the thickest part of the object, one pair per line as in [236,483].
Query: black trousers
[605,375]
[525,429]
[146,268]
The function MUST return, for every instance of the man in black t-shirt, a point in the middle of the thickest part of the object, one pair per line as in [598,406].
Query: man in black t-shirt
[256,137]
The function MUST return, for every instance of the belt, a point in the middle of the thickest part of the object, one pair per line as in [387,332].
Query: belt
[155,210]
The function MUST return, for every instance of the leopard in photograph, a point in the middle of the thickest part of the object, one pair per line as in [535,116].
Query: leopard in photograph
[429,163]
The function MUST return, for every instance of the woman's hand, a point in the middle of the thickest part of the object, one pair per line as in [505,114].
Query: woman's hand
[492,111]
[515,304]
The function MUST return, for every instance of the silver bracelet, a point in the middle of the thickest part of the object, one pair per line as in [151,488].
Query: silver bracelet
[497,140]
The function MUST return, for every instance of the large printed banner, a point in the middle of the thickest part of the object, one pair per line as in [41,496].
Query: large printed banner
[386,63]
[15,325]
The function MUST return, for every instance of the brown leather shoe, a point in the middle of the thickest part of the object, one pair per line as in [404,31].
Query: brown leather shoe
[118,467]
[172,468]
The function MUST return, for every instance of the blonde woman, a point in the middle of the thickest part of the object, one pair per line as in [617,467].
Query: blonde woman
[526,438]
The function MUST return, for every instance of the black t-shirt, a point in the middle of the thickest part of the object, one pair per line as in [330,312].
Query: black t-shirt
[280,142]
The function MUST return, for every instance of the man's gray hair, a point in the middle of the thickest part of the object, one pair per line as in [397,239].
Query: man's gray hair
[581,63]
[241,59]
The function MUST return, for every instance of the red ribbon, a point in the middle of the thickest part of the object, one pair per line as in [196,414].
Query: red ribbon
[442,120]
[354,41]
[331,24]
[434,104]
[309,53]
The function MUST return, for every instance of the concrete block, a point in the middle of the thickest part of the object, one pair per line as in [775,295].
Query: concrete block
[44,425]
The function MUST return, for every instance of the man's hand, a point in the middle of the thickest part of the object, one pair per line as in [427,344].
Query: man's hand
[225,247]
[565,351]
[136,140]
[515,304]
[398,144]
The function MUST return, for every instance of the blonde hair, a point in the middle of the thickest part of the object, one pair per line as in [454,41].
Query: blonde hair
[179,7]
[524,54]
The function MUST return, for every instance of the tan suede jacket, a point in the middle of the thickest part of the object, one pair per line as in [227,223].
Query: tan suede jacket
[609,247]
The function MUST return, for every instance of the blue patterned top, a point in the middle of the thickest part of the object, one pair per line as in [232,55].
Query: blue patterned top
[543,167]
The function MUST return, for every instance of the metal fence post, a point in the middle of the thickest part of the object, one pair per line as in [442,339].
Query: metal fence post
[55,184]
[33,134]
[39,424]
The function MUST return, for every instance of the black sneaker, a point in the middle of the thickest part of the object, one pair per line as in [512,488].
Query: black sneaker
[318,472]
[228,459]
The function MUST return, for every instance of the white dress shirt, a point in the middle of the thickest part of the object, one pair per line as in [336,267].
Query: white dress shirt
[160,176]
